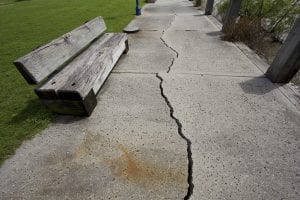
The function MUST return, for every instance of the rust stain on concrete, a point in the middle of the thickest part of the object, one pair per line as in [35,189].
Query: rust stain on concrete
[144,167]
[137,169]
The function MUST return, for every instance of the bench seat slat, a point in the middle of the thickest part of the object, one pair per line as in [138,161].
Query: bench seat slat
[83,77]
[45,60]
[49,89]
[99,64]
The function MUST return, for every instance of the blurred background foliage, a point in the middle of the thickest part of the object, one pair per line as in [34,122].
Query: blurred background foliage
[278,15]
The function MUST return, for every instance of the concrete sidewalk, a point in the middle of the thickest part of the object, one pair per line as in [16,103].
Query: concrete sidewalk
[183,116]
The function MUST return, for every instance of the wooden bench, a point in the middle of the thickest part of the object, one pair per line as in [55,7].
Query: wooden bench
[71,69]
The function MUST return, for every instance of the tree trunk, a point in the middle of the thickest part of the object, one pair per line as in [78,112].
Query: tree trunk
[232,14]
[209,7]
[287,61]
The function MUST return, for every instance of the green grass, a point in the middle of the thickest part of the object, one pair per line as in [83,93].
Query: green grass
[25,25]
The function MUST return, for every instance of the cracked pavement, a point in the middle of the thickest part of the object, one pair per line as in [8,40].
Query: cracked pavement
[183,115]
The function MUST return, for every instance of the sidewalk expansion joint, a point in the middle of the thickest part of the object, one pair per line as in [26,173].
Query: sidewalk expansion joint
[132,72]
[188,141]
[222,75]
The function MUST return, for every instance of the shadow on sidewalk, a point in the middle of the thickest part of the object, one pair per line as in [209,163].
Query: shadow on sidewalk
[215,33]
[200,15]
[258,86]
[35,111]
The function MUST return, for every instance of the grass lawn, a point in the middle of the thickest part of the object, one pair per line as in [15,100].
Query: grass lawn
[24,25]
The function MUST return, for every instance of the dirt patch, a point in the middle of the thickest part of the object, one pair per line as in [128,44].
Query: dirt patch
[143,167]
[137,169]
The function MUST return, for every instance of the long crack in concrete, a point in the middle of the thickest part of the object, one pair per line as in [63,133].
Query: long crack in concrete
[188,141]
[168,46]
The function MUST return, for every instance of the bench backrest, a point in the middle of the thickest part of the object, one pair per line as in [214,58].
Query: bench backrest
[45,60]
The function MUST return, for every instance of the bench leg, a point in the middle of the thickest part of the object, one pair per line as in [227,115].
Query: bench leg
[72,107]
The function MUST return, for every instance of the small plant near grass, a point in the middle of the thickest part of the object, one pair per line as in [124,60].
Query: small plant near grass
[198,2]
[247,30]
[222,7]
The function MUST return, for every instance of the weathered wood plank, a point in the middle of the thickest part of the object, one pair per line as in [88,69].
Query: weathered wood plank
[43,61]
[88,70]
[83,76]
[83,107]
[49,89]
[97,67]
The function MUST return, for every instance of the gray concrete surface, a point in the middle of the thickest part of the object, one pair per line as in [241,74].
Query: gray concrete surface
[244,134]
[128,149]
[184,115]
[147,54]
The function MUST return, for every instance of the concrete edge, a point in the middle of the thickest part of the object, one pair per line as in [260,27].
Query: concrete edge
[288,90]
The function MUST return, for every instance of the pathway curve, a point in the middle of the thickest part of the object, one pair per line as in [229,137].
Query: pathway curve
[184,115]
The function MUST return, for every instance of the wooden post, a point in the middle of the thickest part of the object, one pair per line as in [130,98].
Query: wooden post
[209,7]
[232,14]
[287,61]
